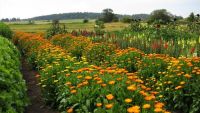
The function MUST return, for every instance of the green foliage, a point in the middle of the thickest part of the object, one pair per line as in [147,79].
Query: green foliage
[136,26]
[55,29]
[160,16]
[99,26]
[127,20]
[5,31]
[30,22]
[13,96]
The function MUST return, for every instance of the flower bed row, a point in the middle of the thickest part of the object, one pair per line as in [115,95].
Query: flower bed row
[175,79]
[74,85]
[13,96]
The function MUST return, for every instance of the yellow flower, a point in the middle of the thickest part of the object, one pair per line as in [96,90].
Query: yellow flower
[99,82]
[108,106]
[109,96]
[55,81]
[134,109]
[79,76]
[158,110]
[182,83]
[160,96]
[111,82]
[128,100]
[88,77]
[146,106]
[131,88]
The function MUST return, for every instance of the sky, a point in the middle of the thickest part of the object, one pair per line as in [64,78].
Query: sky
[31,8]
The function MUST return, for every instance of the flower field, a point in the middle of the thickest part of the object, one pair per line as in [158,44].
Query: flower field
[81,76]
[13,96]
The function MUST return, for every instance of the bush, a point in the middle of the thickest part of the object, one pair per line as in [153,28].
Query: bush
[85,21]
[127,20]
[13,96]
[5,31]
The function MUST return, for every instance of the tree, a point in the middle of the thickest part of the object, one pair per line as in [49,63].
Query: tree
[108,16]
[191,17]
[161,16]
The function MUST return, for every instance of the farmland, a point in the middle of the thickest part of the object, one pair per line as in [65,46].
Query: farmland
[76,24]
[100,62]
[124,70]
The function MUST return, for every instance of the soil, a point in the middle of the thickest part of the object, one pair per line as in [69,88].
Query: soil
[37,104]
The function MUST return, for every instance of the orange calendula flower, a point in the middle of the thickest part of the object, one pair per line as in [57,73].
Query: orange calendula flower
[99,104]
[99,82]
[178,87]
[109,96]
[70,110]
[128,100]
[68,83]
[148,98]
[131,88]
[134,109]
[88,77]
[73,91]
[187,76]
[67,75]
[109,106]
[158,110]
[103,85]
[159,105]
[146,106]
[111,82]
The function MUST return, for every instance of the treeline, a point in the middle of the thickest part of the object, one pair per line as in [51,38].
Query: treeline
[84,15]
[10,19]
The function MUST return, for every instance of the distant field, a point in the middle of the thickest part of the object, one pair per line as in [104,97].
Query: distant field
[75,24]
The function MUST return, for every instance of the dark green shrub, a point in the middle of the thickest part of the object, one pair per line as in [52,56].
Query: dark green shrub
[5,31]
[13,96]
[85,21]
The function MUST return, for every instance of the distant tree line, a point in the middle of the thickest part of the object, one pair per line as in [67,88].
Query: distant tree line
[84,15]
[10,20]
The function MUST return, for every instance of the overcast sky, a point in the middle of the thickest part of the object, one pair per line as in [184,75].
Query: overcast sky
[31,8]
